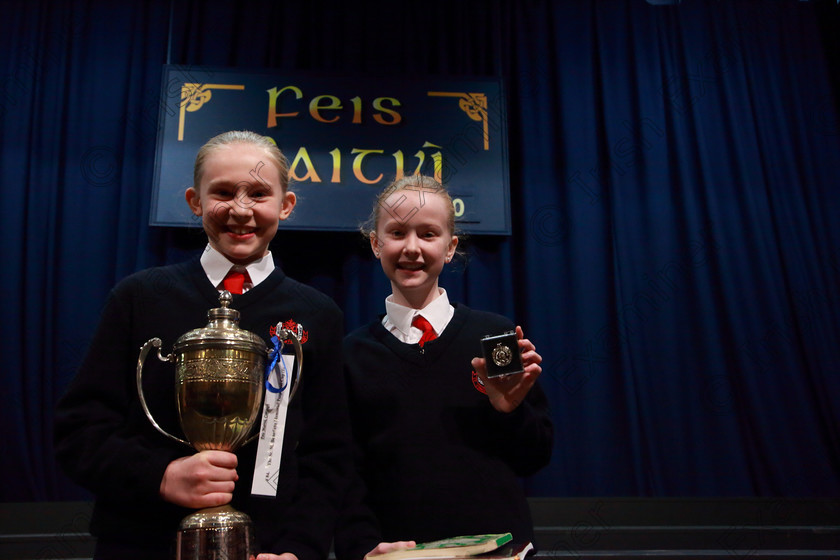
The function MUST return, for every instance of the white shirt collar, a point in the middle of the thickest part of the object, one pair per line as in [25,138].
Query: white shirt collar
[398,317]
[216,267]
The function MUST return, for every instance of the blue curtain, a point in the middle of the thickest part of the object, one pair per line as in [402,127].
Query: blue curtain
[675,255]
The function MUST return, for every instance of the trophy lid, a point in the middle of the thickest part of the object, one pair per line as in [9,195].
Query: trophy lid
[222,329]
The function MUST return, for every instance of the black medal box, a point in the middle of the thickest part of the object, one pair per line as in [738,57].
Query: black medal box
[502,354]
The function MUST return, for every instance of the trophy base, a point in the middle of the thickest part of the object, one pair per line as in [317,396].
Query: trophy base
[220,533]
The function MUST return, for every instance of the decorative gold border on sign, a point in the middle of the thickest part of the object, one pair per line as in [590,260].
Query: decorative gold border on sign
[473,104]
[194,96]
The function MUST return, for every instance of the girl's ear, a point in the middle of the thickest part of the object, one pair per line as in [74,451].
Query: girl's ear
[374,244]
[450,251]
[289,201]
[193,200]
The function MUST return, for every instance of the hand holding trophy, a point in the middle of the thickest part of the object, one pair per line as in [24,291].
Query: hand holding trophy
[219,387]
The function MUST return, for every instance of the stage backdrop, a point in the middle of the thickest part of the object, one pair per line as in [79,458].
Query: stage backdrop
[674,249]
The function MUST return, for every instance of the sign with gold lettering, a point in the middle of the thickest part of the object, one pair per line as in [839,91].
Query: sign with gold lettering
[346,138]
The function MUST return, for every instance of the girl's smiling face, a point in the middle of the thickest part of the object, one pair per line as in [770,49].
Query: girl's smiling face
[240,201]
[413,241]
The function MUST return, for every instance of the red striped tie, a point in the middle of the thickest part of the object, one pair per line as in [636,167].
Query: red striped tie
[428,332]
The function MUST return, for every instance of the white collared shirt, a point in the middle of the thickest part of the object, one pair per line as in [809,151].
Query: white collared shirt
[398,317]
[216,266]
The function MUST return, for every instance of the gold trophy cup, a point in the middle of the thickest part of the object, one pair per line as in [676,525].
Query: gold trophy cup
[219,387]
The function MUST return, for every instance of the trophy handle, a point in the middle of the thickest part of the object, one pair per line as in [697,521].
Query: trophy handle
[283,334]
[286,333]
[144,351]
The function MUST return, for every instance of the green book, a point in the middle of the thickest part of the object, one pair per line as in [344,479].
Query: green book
[454,547]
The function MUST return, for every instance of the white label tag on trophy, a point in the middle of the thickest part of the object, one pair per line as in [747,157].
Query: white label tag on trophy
[272,429]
